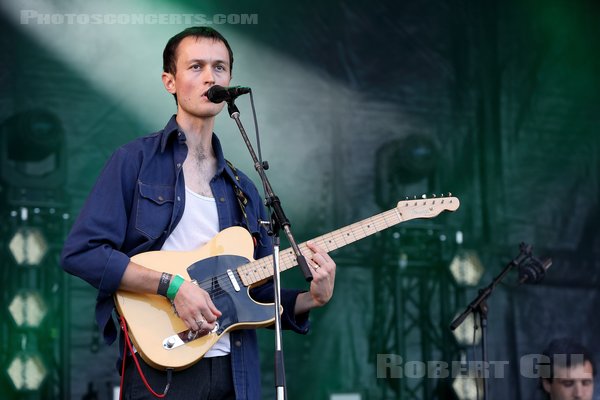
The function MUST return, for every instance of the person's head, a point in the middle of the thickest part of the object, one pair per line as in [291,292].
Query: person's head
[571,369]
[198,32]
[194,60]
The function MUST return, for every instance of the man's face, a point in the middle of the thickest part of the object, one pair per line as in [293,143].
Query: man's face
[573,383]
[201,63]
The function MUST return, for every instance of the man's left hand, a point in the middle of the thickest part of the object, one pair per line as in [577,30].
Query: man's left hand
[321,287]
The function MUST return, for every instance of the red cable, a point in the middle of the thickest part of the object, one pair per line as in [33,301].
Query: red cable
[128,346]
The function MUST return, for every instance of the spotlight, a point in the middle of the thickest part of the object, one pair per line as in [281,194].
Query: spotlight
[466,388]
[466,268]
[32,158]
[466,334]
[28,246]
[403,161]
[27,309]
[27,372]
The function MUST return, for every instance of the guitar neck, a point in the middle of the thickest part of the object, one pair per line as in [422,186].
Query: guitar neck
[261,269]
[344,236]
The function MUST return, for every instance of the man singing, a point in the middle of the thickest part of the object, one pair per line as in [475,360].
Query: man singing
[174,190]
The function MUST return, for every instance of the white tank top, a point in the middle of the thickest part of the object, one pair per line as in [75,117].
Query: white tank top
[199,224]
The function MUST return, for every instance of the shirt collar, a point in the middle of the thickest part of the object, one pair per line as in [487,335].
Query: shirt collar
[168,131]
[172,128]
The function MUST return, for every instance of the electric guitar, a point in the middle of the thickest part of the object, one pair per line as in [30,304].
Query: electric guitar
[224,267]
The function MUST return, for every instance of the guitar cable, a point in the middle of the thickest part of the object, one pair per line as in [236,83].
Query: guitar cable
[127,346]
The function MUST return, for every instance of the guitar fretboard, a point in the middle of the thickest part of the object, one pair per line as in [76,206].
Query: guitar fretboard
[261,269]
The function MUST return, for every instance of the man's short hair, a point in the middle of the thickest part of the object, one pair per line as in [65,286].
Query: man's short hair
[566,352]
[170,51]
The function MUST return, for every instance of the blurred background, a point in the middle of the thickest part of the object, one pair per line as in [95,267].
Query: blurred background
[360,105]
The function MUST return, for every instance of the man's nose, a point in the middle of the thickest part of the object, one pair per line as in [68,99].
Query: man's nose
[207,75]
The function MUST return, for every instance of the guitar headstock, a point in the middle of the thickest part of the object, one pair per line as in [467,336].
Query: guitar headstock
[425,207]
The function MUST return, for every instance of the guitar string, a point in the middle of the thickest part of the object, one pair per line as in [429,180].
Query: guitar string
[335,236]
[380,222]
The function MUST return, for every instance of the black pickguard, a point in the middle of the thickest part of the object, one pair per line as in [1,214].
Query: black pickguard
[236,306]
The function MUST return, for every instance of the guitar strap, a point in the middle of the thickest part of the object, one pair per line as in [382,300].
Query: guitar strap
[241,197]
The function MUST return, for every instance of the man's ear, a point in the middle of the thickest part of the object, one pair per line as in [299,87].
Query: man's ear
[169,82]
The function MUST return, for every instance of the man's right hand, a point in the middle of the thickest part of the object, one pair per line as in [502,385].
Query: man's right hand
[193,304]
[195,307]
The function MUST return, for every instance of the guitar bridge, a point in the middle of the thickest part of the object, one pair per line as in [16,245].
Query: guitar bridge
[174,341]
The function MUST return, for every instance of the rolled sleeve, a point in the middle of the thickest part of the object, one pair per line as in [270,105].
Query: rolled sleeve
[289,320]
[113,273]
[296,322]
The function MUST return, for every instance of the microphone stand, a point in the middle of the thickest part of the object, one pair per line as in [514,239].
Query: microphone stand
[479,307]
[278,221]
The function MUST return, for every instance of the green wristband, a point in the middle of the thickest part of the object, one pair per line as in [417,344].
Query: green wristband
[176,282]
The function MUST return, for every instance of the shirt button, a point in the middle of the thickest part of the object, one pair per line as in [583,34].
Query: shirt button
[160,198]
[178,165]
[178,198]
[238,343]
[222,199]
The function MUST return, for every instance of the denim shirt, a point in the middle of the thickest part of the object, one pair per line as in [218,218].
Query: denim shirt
[134,206]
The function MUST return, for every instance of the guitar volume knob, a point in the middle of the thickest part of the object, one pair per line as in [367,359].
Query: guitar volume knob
[170,342]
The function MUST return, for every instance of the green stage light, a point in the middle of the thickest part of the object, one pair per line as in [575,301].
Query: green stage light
[466,388]
[28,309]
[28,246]
[466,334]
[27,372]
[466,268]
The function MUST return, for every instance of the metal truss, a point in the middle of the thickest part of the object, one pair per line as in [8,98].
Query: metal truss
[35,297]
[415,299]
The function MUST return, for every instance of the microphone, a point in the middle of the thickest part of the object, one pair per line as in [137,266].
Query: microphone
[533,270]
[218,94]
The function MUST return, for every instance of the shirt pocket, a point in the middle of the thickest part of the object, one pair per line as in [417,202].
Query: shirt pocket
[154,209]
